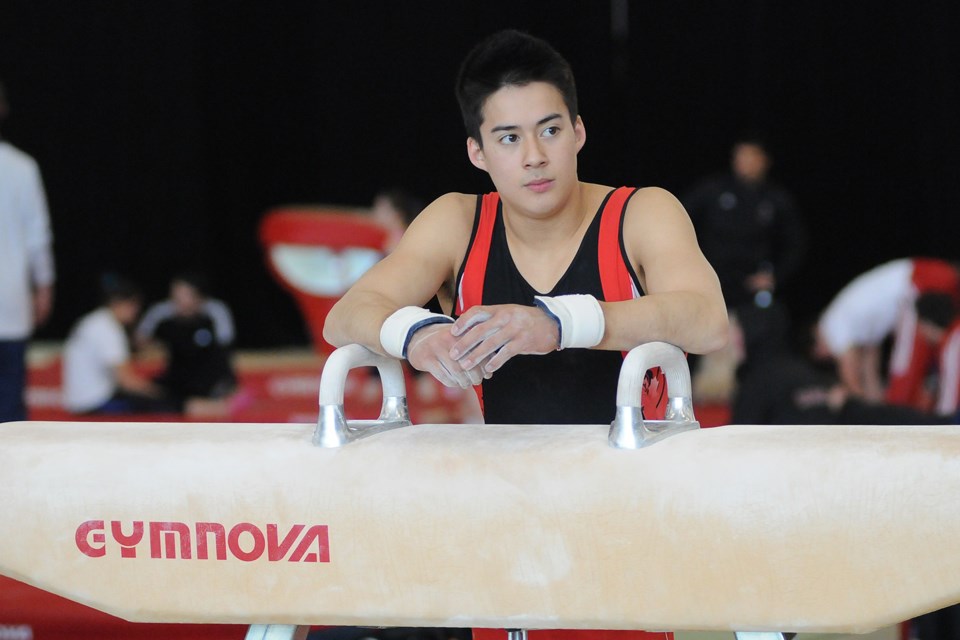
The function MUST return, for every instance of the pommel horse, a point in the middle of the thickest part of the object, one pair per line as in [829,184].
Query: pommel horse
[757,530]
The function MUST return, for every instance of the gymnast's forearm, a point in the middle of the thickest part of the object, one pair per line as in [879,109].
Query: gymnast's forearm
[357,318]
[695,322]
[872,379]
[850,370]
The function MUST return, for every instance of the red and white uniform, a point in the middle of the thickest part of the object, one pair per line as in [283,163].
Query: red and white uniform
[948,390]
[912,356]
[879,303]
[573,386]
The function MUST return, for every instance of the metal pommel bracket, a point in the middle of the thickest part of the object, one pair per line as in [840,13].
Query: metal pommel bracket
[629,430]
[333,429]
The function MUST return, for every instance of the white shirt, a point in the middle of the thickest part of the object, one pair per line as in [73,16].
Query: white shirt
[96,345]
[866,311]
[25,241]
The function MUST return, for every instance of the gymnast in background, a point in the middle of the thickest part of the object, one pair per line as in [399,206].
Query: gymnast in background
[196,332]
[774,385]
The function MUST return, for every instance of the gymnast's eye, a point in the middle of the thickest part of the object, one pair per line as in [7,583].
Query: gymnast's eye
[510,138]
[549,132]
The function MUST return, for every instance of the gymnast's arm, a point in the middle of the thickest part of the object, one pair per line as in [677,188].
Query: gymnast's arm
[423,262]
[683,304]
[859,370]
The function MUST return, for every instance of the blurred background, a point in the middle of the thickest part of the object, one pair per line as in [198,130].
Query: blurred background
[165,130]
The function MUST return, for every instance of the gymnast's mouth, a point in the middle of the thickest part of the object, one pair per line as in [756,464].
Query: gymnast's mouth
[539,185]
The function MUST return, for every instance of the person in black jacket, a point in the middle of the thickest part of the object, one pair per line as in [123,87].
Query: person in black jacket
[749,228]
[196,331]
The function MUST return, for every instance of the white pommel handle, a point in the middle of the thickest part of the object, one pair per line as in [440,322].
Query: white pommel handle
[629,430]
[332,428]
[333,380]
[645,357]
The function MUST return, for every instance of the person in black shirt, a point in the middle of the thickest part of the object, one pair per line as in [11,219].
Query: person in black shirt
[749,228]
[196,332]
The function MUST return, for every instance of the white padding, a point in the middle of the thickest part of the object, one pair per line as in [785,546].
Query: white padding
[580,317]
[322,271]
[806,528]
[397,329]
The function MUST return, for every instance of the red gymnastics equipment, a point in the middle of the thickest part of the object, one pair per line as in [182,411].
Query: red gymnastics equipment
[316,253]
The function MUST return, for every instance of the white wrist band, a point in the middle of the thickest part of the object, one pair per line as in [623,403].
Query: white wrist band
[397,330]
[579,316]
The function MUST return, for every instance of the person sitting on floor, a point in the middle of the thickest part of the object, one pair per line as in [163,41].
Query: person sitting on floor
[98,377]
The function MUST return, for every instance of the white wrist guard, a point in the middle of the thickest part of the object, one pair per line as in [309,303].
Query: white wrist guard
[579,316]
[397,330]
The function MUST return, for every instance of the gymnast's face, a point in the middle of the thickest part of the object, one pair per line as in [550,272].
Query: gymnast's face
[529,146]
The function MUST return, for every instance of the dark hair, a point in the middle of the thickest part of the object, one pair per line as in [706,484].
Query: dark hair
[117,288]
[407,204]
[194,278]
[755,138]
[509,58]
[936,308]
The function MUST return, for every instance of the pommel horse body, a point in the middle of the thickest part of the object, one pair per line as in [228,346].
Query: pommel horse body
[635,525]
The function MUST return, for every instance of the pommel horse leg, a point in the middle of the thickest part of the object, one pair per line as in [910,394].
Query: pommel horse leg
[763,635]
[276,632]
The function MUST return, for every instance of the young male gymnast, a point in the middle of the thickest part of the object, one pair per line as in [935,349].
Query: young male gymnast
[546,280]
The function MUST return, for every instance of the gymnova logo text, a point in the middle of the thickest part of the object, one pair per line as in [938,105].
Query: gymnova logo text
[203,541]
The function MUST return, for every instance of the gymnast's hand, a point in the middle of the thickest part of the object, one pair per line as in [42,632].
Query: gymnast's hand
[429,351]
[490,335]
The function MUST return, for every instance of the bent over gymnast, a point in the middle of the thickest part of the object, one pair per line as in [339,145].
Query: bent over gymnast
[546,279]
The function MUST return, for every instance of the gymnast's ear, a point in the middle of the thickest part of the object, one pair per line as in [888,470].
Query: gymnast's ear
[579,133]
[475,153]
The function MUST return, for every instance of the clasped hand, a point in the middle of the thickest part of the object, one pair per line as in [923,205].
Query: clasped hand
[480,342]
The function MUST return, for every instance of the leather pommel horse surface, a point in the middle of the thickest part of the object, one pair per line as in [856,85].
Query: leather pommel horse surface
[746,528]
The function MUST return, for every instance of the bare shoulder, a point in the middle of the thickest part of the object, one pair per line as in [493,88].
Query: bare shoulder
[655,202]
[440,234]
[444,225]
[660,240]
[450,213]
[655,214]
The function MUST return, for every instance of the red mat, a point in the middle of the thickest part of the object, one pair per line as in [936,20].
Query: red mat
[27,613]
